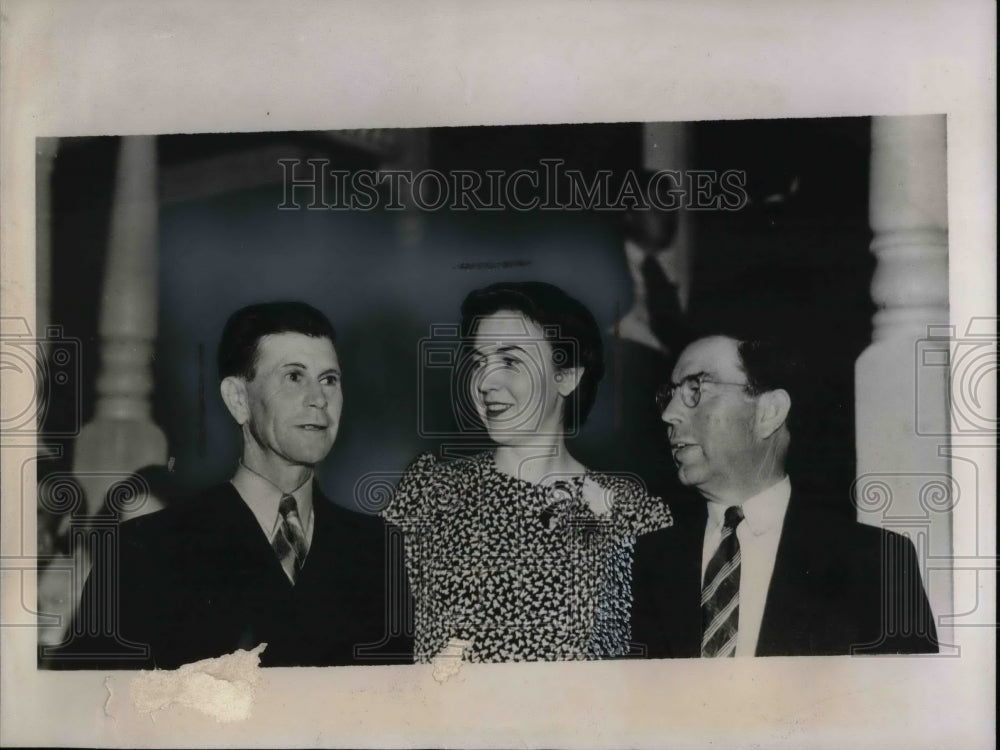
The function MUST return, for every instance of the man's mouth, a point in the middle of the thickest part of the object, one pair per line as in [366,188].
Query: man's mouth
[677,447]
[314,427]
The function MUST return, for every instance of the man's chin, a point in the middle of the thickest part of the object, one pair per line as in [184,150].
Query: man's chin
[310,455]
[314,457]
[685,477]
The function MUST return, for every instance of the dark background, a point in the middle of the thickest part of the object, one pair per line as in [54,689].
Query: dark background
[794,264]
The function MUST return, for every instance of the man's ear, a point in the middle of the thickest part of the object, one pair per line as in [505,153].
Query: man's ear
[772,412]
[234,395]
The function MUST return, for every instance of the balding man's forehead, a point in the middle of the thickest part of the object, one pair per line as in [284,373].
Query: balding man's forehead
[716,355]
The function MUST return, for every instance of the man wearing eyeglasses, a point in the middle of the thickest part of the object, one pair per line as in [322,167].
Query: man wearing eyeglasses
[759,568]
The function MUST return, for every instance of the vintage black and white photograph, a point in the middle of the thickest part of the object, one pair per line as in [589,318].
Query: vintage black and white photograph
[649,401]
[544,337]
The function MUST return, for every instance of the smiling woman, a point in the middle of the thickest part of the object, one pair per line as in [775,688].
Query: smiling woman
[520,553]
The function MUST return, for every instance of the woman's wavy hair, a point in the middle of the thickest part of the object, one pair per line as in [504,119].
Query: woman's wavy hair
[576,339]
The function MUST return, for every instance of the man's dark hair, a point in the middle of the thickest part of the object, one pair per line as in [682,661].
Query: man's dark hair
[238,351]
[769,366]
[577,339]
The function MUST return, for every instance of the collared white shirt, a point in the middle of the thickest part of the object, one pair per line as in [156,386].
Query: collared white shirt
[758,534]
[263,498]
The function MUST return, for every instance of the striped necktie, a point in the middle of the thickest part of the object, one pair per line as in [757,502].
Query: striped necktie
[290,539]
[720,596]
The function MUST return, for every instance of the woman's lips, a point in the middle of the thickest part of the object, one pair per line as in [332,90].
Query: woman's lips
[494,410]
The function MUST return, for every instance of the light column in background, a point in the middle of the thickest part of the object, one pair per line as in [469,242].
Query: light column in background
[901,379]
[45,156]
[122,437]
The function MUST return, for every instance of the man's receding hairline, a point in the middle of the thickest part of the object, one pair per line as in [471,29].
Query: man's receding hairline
[722,336]
[255,356]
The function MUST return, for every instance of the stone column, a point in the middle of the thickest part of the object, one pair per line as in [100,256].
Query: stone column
[45,155]
[122,437]
[904,480]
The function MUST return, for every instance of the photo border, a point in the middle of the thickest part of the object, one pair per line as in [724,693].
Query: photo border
[114,67]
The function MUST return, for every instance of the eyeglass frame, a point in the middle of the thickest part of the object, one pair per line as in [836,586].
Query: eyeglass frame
[666,392]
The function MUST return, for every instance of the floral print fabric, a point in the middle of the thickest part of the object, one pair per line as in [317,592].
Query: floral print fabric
[521,571]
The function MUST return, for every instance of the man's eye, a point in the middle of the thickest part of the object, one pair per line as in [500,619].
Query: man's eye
[689,385]
[510,362]
[295,377]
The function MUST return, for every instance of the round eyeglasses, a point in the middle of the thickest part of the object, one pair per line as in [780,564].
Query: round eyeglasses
[690,389]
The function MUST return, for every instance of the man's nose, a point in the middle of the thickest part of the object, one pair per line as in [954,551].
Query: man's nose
[673,413]
[317,395]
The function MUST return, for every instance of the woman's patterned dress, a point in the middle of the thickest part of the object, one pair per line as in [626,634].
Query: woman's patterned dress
[522,571]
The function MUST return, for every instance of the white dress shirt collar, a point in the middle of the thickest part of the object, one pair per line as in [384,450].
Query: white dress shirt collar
[762,512]
[263,497]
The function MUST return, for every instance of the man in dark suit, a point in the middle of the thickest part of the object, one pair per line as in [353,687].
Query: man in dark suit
[263,558]
[754,566]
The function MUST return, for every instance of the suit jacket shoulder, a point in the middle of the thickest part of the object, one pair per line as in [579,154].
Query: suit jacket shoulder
[841,587]
[200,579]
[666,584]
[838,587]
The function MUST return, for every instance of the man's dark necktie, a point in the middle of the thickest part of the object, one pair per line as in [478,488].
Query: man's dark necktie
[290,540]
[720,596]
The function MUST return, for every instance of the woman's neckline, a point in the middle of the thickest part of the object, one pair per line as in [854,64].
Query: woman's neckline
[576,476]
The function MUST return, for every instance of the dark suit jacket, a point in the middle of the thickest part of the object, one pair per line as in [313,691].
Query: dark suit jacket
[838,587]
[200,580]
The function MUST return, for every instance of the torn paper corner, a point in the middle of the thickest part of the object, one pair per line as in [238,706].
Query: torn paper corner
[111,694]
[448,662]
[222,687]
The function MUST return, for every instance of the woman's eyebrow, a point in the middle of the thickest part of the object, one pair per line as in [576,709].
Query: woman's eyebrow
[501,349]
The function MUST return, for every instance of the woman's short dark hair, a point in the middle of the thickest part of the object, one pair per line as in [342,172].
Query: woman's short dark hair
[238,352]
[576,341]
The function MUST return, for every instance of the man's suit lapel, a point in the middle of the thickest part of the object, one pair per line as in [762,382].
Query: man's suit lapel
[686,636]
[342,541]
[240,538]
[668,597]
[245,537]
[326,544]
[785,591]
[800,605]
